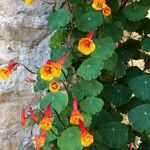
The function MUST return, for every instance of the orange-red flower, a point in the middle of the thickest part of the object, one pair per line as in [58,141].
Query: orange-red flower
[86,138]
[23,118]
[75,115]
[6,72]
[28,2]
[86,45]
[33,114]
[52,69]
[40,140]
[106,11]
[54,86]
[98,4]
[46,122]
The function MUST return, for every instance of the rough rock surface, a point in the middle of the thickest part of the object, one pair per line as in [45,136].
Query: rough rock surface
[23,39]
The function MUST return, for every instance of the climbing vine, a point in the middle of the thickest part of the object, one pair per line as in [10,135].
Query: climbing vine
[95,97]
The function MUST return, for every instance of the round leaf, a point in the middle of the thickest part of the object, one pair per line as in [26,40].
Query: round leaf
[141,86]
[70,139]
[114,134]
[135,11]
[90,69]
[117,94]
[146,45]
[58,101]
[139,118]
[50,135]
[58,19]
[104,48]
[89,21]
[91,105]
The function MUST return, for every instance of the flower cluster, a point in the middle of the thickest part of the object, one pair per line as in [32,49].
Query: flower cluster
[77,119]
[101,5]
[45,124]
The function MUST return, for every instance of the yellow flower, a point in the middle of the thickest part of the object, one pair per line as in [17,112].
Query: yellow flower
[46,123]
[86,139]
[98,4]
[28,2]
[86,46]
[106,11]
[4,73]
[54,86]
[40,139]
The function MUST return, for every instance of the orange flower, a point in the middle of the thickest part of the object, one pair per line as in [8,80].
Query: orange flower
[106,11]
[54,86]
[33,114]
[98,4]
[23,118]
[46,122]
[52,69]
[40,139]
[75,115]
[6,72]
[86,138]
[28,2]
[86,45]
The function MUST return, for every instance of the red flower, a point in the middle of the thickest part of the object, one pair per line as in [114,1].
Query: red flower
[85,136]
[23,117]
[46,122]
[75,115]
[33,114]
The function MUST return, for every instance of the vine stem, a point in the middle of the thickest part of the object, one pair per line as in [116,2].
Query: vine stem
[59,118]
[54,133]
[69,6]
[27,68]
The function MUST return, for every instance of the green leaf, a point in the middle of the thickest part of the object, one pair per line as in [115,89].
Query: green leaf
[87,119]
[114,5]
[141,86]
[70,139]
[58,101]
[91,105]
[132,26]
[111,62]
[104,48]
[90,68]
[117,94]
[119,70]
[87,88]
[146,44]
[114,30]
[58,19]
[139,118]
[50,135]
[89,21]
[114,134]
[57,39]
[135,11]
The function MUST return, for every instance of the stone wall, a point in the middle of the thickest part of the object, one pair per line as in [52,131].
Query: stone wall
[24,39]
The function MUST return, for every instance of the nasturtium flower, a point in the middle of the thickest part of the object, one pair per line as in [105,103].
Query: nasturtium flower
[23,118]
[86,45]
[98,4]
[46,122]
[33,114]
[86,138]
[40,140]
[5,73]
[54,86]
[106,11]
[75,115]
[28,2]
[52,69]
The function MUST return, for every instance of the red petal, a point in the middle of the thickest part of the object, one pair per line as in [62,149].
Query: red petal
[48,62]
[48,111]
[90,35]
[11,66]
[82,126]
[75,104]
[62,59]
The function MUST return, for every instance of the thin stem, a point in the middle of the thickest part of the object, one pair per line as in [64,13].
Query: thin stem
[64,74]
[69,6]
[65,87]
[28,69]
[59,118]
